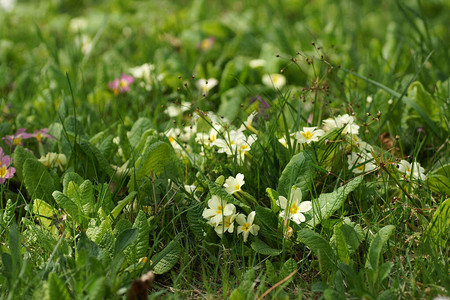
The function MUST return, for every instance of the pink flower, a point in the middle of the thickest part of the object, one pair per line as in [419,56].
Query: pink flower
[5,170]
[40,134]
[16,139]
[121,85]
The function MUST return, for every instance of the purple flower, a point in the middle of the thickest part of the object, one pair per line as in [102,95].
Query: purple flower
[16,139]
[5,170]
[121,85]
[40,134]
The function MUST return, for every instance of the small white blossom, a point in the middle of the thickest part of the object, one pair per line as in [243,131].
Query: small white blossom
[360,162]
[205,85]
[345,121]
[309,134]
[276,81]
[257,63]
[294,209]
[246,225]
[233,185]
[413,170]
[218,209]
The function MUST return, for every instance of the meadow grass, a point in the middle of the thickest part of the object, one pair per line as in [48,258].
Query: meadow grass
[239,149]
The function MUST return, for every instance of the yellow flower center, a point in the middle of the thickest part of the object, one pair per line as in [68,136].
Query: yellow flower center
[219,210]
[245,227]
[171,139]
[39,137]
[212,138]
[360,168]
[3,171]
[236,187]
[307,135]
[408,170]
[17,140]
[123,83]
[293,209]
[227,222]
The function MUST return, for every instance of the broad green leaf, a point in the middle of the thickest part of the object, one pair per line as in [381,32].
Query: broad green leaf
[328,203]
[352,236]
[376,246]
[125,238]
[194,215]
[57,288]
[122,225]
[384,270]
[319,246]
[136,132]
[68,205]
[152,163]
[95,232]
[167,258]
[68,177]
[271,274]
[341,244]
[86,197]
[299,172]
[44,212]
[143,238]
[38,181]
[20,156]
[262,248]
[418,94]
[288,267]
[266,217]
[439,179]
[98,288]
[124,142]
[438,229]
[107,242]
[122,203]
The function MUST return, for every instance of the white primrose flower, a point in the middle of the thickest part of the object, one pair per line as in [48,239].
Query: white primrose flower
[233,185]
[345,121]
[218,210]
[205,85]
[309,134]
[54,160]
[413,170]
[249,123]
[274,80]
[235,141]
[257,63]
[294,209]
[175,110]
[143,72]
[360,162]
[246,225]
[226,225]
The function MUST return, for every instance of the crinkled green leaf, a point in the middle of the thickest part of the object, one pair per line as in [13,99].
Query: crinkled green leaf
[151,164]
[122,203]
[20,156]
[262,248]
[288,267]
[67,204]
[319,246]
[438,229]
[328,203]
[167,258]
[376,246]
[341,244]
[98,288]
[44,212]
[96,232]
[57,288]
[68,177]
[194,215]
[38,181]
[271,274]
[141,245]
[125,238]
[299,172]
[136,132]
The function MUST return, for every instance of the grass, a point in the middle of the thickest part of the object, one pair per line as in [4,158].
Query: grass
[125,194]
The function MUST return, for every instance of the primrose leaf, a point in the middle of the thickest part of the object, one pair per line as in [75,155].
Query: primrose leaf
[56,288]
[139,127]
[376,246]
[20,156]
[328,203]
[438,229]
[262,248]
[38,181]
[319,246]
[167,258]
[299,172]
